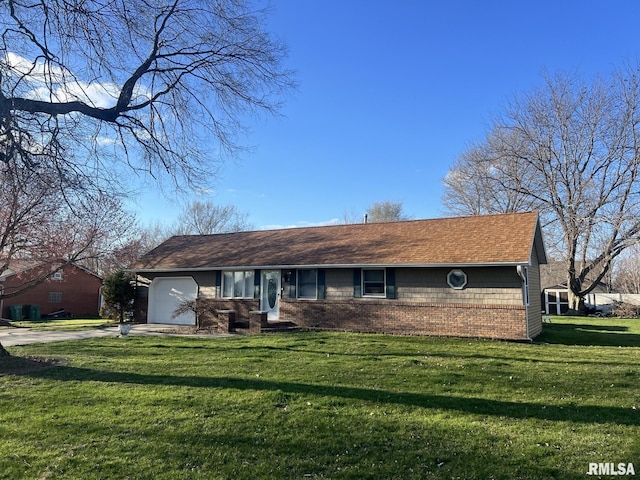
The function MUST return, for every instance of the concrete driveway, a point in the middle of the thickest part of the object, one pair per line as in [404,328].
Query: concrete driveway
[10,337]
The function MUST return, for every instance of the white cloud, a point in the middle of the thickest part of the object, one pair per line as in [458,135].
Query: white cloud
[52,83]
[106,141]
[39,71]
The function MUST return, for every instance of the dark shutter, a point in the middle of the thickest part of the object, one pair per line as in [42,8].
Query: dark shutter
[218,283]
[292,284]
[256,283]
[391,283]
[357,283]
[322,289]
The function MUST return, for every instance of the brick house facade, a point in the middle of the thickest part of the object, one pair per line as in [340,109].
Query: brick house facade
[468,276]
[74,289]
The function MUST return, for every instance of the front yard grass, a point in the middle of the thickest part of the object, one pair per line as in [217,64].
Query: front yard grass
[64,323]
[326,405]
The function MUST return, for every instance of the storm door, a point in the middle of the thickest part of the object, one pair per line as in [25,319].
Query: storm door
[270,293]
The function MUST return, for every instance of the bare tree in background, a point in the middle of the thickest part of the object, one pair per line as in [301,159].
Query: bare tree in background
[627,271]
[570,149]
[385,211]
[45,223]
[206,218]
[51,228]
[196,218]
[475,185]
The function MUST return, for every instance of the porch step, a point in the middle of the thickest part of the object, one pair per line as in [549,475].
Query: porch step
[274,326]
[279,326]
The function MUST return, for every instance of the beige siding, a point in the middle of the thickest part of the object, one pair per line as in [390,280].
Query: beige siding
[486,286]
[534,310]
[339,283]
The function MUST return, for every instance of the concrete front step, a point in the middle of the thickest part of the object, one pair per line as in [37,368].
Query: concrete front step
[273,326]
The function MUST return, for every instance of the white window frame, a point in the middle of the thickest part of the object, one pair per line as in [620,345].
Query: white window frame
[244,293]
[557,303]
[315,290]
[457,271]
[384,283]
[57,276]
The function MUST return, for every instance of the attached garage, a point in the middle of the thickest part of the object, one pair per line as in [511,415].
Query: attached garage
[166,294]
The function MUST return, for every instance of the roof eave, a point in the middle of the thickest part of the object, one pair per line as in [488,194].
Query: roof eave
[342,265]
[538,239]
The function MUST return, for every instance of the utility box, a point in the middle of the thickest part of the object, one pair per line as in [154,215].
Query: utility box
[32,312]
[15,312]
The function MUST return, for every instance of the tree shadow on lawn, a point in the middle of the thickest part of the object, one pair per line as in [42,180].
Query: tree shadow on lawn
[585,334]
[470,405]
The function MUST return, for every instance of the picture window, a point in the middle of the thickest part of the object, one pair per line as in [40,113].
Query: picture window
[238,284]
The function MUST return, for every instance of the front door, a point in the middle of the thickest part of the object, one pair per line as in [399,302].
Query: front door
[270,296]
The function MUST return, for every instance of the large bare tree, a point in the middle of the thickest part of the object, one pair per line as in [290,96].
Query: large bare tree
[571,149]
[157,86]
[93,90]
[475,184]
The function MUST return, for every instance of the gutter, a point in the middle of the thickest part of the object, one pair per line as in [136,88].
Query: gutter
[324,265]
[520,269]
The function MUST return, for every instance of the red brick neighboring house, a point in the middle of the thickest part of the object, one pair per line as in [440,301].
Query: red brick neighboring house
[470,276]
[74,289]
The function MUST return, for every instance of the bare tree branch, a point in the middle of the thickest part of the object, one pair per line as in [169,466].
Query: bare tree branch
[569,150]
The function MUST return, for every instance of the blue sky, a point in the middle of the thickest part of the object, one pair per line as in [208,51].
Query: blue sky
[392,92]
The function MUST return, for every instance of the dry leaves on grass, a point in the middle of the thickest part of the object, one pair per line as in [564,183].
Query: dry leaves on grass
[11,365]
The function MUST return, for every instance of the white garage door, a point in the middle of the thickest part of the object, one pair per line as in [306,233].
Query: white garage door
[165,294]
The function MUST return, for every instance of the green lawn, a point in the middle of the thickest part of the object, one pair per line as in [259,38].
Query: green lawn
[327,405]
[64,323]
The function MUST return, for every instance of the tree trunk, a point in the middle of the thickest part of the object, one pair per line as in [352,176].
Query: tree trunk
[576,302]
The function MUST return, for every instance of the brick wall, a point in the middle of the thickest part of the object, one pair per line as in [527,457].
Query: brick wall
[242,307]
[77,292]
[397,317]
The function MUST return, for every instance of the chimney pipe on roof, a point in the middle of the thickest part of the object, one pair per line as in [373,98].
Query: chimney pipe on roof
[365,218]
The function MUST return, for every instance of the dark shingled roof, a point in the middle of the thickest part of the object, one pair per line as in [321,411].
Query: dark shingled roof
[481,240]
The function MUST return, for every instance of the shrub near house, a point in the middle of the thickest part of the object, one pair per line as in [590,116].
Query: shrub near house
[74,289]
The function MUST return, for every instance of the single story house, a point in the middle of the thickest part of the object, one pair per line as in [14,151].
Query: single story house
[470,276]
[72,288]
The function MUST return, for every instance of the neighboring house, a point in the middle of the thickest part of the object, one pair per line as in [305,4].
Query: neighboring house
[555,293]
[471,276]
[74,289]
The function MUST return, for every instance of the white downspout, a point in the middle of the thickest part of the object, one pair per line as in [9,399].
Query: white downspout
[520,269]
